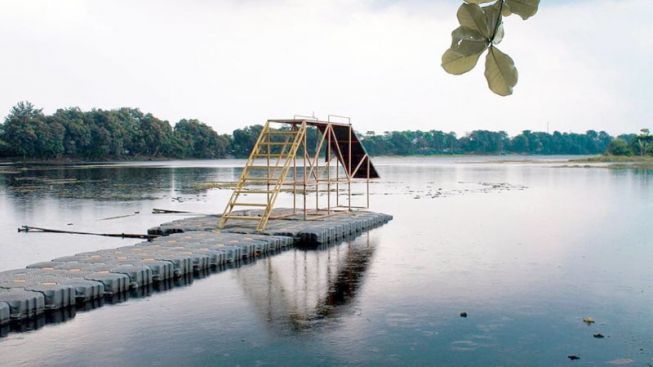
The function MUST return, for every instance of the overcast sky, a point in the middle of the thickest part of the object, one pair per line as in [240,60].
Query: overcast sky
[582,64]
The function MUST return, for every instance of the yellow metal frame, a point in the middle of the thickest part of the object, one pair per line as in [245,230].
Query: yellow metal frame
[279,148]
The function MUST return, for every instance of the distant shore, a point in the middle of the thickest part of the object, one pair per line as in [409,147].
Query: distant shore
[68,160]
[615,159]
[610,159]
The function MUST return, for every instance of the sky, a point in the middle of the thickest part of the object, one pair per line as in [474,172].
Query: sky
[583,64]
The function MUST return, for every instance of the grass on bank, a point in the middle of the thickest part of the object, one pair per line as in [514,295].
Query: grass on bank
[614,161]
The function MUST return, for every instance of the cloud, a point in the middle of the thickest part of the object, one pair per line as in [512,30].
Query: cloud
[582,64]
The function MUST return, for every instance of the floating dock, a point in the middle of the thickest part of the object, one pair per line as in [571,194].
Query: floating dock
[185,247]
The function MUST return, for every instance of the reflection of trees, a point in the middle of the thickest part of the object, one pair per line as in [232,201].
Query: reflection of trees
[110,182]
[301,291]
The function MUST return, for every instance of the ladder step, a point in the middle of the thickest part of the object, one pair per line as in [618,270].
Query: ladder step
[271,155]
[264,167]
[255,191]
[249,204]
[275,143]
[243,217]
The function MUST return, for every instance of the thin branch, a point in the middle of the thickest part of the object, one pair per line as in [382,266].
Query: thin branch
[498,22]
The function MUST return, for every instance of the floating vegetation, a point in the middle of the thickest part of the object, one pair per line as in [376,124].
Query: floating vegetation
[47,181]
[430,191]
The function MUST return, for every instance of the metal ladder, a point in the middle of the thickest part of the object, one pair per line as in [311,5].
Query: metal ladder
[279,148]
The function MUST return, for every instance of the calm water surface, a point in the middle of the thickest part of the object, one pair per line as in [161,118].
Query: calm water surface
[527,249]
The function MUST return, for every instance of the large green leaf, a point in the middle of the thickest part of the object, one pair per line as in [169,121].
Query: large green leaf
[478,1]
[456,63]
[467,45]
[472,16]
[500,72]
[523,8]
[463,33]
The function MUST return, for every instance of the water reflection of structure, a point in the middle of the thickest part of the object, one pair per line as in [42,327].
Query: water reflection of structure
[322,285]
[323,280]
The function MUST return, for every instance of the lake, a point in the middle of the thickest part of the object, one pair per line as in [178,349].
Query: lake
[526,246]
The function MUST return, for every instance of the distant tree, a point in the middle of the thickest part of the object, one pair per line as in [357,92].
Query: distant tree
[643,143]
[135,140]
[244,139]
[4,147]
[50,138]
[401,143]
[485,142]
[20,129]
[520,143]
[195,139]
[77,135]
[156,137]
[106,135]
[619,147]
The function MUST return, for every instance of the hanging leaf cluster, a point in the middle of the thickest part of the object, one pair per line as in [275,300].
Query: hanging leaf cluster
[481,29]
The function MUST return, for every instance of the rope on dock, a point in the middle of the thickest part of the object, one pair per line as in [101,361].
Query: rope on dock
[166,211]
[27,229]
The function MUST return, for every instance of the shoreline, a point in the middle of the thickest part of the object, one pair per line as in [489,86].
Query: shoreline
[615,159]
[68,161]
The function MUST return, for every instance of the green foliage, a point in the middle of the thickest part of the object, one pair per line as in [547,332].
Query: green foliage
[481,28]
[244,139]
[100,134]
[500,72]
[632,144]
[21,127]
[643,143]
[129,133]
[198,140]
[485,142]
[619,147]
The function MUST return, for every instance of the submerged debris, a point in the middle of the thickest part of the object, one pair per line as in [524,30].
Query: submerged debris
[598,336]
[573,357]
[463,314]
[588,320]
[121,216]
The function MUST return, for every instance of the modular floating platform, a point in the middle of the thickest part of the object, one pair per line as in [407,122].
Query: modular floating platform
[185,247]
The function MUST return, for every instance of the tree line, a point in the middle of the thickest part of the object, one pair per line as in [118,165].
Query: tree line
[485,142]
[632,144]
[128,133]
[105,134]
